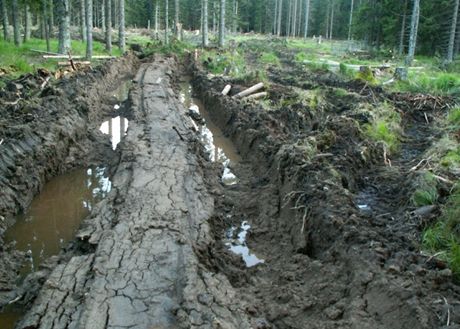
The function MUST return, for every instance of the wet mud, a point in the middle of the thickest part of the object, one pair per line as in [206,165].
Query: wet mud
[313,231]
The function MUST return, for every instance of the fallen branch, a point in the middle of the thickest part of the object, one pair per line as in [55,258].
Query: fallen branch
[178,133]
[226,90]
[414,168]
[250,90]
[45,82]
[257,96]
[13,103]
[386,160]
[442,179]
[44,52]
[1,141]
[71,61]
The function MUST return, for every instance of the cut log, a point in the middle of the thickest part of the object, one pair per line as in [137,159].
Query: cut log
[76,57]
[226,90]
[74,62]
[257,96]
[250,91]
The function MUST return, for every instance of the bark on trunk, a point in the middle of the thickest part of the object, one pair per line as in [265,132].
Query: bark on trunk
[156,19]
[280,13]
[332,20]
[46,24]
[176,19]
[205,40]
[351,20]
[307,18]
[89,28]
[5,20]
[108,26]
[166,21]
[64,26]
[121,26]
[413,32]
[103,14]
[82,20]
[16,27]
[222,24]
[450,48]
[27,22]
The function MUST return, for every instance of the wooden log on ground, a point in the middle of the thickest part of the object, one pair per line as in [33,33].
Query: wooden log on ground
[257,96]
[76,57]
[226,90]
[250,90]
[401,73]
[75,63]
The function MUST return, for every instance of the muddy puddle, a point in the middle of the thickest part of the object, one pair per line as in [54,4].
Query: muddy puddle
[52,220]
[236,243]
[219,147]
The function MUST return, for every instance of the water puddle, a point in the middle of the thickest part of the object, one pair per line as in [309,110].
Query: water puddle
[219,147]
[238,245]
[121,93]
[116,128]
[54,216]
[365,200]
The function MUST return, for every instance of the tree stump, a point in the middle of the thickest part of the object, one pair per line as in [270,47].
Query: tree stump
[401,73]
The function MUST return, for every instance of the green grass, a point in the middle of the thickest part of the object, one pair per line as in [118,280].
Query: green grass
[269,58]
[444,236]
[366,75]
[20,60]
[427,191]
[231,63]
[438,83]
[380,131]
[451,159]
[454,116]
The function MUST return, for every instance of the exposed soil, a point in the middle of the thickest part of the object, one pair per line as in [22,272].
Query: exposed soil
[333,229]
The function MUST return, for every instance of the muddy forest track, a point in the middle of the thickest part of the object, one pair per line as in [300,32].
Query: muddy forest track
[154,253]
[144,272]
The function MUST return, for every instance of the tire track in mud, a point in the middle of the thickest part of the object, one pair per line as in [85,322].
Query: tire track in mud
[344,269]
[144,271]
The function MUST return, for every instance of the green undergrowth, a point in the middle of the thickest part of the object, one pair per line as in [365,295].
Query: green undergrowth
[385,127]
[176,47]
[438,83]
[443,238]
[231,63]
[426,192]
[20,60]
[270,58]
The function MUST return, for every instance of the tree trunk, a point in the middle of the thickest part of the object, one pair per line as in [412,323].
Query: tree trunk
[222,24]
[294,18]
[108,26]
[156,19]
[103,14]
[51,13]
[299,19]
[450,48]
[82,20]
[413,32]
[235,15]
[214,20]
[204,31]
[121,25]
[280,14]
[166,21]
[46,24]
[351,20]
[27,22]
[403,30]
[307,18]
[327,20]
[89,28]
[275,17]
[288,25]
[176,19]
[64,26]
[16,26]
[332,20]
[5,20]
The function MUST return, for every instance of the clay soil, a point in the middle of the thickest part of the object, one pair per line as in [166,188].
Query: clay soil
[153,254]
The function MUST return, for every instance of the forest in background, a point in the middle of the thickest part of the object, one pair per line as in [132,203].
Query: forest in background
[381,24]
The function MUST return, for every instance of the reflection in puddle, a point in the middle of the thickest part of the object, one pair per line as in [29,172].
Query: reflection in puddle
[8,318]
[55,214]
[116,128]
[365,200]
[238,246]
[219,148]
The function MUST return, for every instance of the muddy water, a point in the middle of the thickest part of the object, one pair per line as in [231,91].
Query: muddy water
[238,245]
[219,147]
[52,220]
[116,128]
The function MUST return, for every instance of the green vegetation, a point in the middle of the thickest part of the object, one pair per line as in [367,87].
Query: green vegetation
[231,63]
[454,116]
[438,83]
[443,237]
[19,60]
[270,58]
[365,74]
[385,127]
[427,191]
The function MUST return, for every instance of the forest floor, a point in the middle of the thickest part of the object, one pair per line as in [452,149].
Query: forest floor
[321,226]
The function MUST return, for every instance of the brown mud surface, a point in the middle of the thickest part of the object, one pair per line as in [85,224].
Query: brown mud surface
[335,237]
